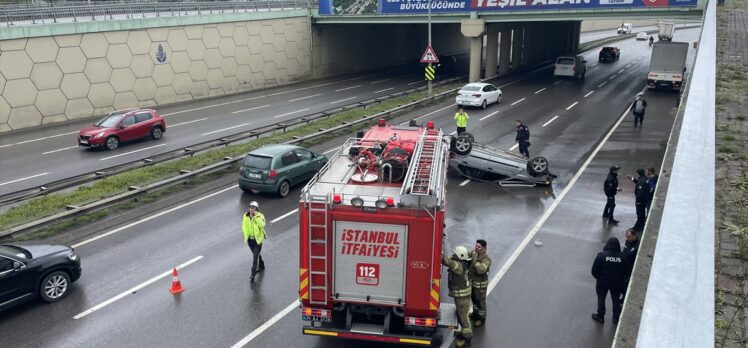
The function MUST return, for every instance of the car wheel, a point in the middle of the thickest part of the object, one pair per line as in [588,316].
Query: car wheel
[54,286]
[537,166]
[157,133]
[284,188]
[463,145]
[112,143]
[469,135]
[498,101]
[483,105]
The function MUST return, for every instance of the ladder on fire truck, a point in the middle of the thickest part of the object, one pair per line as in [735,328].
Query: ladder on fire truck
[422,174]
[318,204]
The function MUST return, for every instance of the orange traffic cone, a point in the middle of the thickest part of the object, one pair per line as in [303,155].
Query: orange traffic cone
[176,285]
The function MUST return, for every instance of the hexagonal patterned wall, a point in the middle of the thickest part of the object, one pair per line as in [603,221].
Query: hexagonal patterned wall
[55,79]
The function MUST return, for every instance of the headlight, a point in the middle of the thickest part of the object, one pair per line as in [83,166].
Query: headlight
[72,256]
[99,134]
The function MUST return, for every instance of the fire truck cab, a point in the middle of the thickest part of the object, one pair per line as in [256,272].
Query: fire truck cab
[371,234]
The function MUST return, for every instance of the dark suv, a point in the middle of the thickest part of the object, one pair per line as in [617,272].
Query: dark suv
[28,271]
[609,54]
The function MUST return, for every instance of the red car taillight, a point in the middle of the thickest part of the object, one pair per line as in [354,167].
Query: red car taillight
[476,95]
[272,174]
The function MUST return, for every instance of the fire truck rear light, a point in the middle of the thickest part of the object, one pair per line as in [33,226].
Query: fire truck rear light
[336,199]
[381,203]
[357,202]
[413,321]
[316,312]
[381,123]
[430,124]
[390,201]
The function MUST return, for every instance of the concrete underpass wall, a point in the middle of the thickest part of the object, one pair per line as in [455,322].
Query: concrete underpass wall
[602,24]
[347,48]
[52,79]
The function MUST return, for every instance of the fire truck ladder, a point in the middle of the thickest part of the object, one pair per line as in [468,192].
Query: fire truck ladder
[318,204]
[421,177]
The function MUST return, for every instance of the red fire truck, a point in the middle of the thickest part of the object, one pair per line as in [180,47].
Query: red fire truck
[371,232]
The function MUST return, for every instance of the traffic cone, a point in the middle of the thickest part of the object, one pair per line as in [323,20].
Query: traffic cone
[176,285]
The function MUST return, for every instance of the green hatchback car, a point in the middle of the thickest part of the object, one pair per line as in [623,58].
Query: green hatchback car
[275,168]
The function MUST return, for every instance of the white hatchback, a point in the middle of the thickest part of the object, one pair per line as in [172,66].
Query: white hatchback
[478,94]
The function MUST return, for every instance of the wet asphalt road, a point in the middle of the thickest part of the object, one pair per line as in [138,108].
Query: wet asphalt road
[544,299]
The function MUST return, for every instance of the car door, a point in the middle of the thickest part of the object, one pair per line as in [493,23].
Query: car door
[290,167]
[494,93]
[307,164]
[143,124]
[11,285]
[127,130]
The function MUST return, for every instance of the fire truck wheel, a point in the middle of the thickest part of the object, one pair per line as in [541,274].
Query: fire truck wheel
[437,339]
[463,145]
[284,188]
[537,166]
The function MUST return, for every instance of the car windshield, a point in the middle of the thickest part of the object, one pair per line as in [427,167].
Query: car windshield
[257,162]
[565,61]
[15,251]
[109,121]
[471,88]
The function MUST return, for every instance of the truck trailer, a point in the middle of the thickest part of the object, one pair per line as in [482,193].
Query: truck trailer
[665,32]
[371,235]
[667,66]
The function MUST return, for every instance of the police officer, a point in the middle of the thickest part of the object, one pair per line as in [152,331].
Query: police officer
[609,270]
[641,192]
[630,249]
[460,290]
[461,120]
[478,275]
[523,138]
[652,183]
[610,187]
[253,226]
[639,107]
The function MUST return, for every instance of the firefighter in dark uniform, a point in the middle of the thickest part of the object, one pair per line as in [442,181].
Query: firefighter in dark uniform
[460,290]
[611,189]
[478,275]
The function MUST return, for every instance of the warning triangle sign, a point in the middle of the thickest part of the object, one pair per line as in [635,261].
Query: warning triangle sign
[429,56]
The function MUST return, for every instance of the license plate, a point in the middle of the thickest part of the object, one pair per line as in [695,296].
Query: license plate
[84,142]
[315,318]
[253,175]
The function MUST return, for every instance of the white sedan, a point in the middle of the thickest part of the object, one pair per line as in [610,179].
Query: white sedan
[642,36]
[478,94]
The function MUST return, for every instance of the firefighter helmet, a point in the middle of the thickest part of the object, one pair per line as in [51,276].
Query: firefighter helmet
[461,252]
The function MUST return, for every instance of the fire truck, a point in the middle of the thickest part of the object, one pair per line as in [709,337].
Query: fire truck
[371,234]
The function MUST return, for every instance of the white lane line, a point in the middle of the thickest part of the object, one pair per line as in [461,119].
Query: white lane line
[22,179]
[188,122]
[291,113]
[375,82]
[206,107]
[244,341]
[301,89]
[2,146]
[621,71]
[151,217]
[518,101]
[540,90]
[435,111]
[557,82]
[134,289]
[535,229]
[44,138]
[514,147]
[612,77]
[342,100]
[572,105]
[225,129]
[415,82]
[588,94]
[307,97]
[331,150]
[284,216]
[465,182]
[602,84]
[62,149]
[628,65]
[250,109]
[384,90]
[347,88]
[489,115]
[551,120]
[593,65]
[453,133]
[131,152]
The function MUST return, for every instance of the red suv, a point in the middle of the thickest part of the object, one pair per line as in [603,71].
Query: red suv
[121,126]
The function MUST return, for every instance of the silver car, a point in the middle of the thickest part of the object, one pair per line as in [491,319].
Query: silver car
[489,164]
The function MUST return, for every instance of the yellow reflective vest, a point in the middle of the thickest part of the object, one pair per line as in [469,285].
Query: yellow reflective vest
[461,119]
[254,228]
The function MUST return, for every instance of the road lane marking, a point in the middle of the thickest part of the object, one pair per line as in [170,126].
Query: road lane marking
[131,152]
[284,216]
[210,106]
[465,182]
[588,94]
[557,82]
[225,129]
[602,84]
[540,90]
[593,65]
[307,97]
[518,101]
[551,120]
[514,147]
[375,82]
[244,341]
[301,89]
[612,77]
[62,149]
[414,82]
[331,150]
[453,133]
[572,105]
[22,179]
[134,289]
[489,115]
[621,71]
[37,139]
[435,111]
[2,146]
[347,88]
[384,90]
[628,65]
[250,109]
[188,122]
[342,100]
[291,113]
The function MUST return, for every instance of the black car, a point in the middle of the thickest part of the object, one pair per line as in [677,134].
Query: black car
[28,271]
[609,54]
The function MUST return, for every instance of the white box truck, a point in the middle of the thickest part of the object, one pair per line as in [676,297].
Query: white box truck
[666,31]
[667,66]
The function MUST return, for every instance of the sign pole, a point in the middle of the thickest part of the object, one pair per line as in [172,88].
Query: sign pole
[429,42]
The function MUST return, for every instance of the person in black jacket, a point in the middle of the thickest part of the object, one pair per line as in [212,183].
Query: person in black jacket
[641,192]
[523,138]
[630,249]
[652,182]
[608,269]
[611,189]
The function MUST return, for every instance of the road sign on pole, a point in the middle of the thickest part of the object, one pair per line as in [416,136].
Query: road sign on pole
[429,56]
[429,73]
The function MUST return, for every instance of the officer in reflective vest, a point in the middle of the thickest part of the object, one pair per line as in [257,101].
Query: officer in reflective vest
[253,226]
[461,120]
[478,275]
[460,290]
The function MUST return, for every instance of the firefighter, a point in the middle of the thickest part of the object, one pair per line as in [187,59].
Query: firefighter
[253,226]
[478,275]
[460,290]
[461,120]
